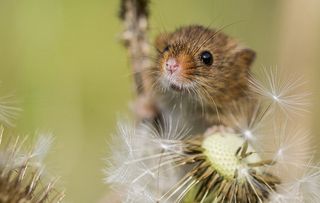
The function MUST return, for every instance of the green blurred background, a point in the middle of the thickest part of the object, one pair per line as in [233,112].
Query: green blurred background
[63,62]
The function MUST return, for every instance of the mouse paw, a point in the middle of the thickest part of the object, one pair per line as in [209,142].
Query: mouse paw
[218,128]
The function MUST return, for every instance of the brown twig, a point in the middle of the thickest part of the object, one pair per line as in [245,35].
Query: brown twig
[134,14]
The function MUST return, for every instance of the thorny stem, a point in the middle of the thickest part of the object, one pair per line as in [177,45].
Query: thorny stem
[134,14]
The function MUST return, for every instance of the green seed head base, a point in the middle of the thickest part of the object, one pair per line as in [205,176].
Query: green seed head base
[226,169]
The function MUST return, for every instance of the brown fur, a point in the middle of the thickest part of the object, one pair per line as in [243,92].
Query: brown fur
[205,89]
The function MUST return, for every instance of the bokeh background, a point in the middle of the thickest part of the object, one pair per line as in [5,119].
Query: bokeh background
[63,62]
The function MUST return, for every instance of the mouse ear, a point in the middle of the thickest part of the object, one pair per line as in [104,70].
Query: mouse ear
[162,41]
[246,57]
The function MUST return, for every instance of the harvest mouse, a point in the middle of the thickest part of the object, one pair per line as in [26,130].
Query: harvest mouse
[198,74]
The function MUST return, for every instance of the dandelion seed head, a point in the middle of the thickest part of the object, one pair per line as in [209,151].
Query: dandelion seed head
[149,167]
[230,158]
[169,165]
[171,169]
[22,174]
[221,152]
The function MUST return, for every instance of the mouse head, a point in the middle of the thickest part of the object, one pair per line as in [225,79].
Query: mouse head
[202,61]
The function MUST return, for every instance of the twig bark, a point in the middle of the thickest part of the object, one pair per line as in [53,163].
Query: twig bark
[134,14]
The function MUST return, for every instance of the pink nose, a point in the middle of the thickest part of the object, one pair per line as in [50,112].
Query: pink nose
[172,65]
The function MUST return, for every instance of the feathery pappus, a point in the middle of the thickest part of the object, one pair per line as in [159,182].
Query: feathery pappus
[257,157]
[22,173]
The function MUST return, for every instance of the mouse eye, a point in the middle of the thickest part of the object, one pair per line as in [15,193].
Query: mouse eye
[166,49]
[206,58]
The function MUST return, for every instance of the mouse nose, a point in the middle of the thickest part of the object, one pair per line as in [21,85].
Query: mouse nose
[172,65]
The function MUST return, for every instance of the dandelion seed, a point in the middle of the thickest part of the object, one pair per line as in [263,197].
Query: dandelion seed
[248,120]
[283,91]
[309,185]
[8,111]
[292,145]
[303,188]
